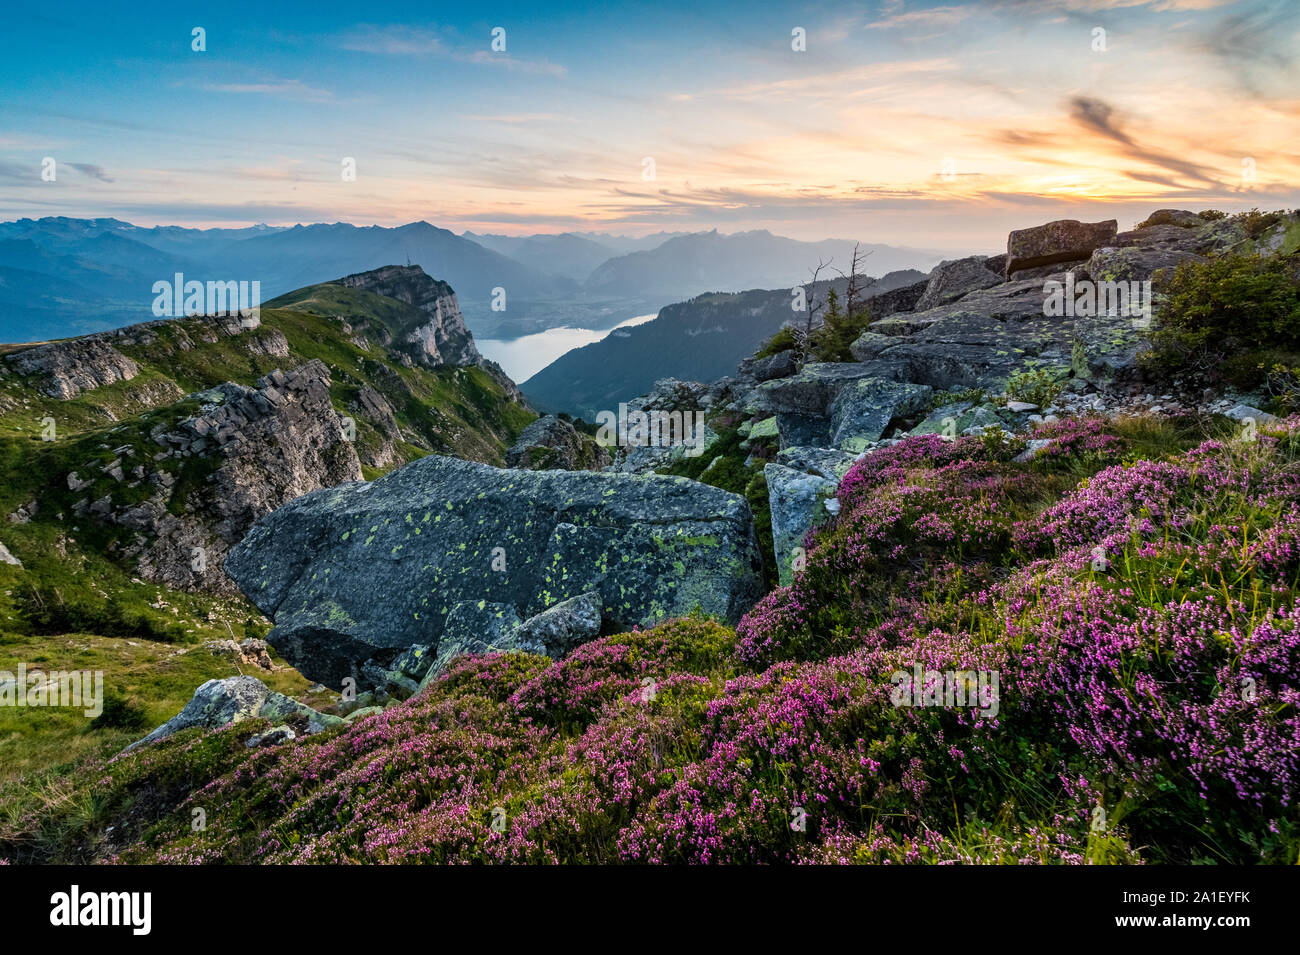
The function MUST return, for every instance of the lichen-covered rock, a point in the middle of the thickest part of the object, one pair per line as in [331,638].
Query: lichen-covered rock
[955,419]
[864,408]
[781,365]
[954,278]
[560,628]
[552,443]
[351,573]
[798,503]
[1135,264]
[219,703]
[1065,240]
[810,392]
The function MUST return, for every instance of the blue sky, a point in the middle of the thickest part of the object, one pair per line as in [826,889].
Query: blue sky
[931,124]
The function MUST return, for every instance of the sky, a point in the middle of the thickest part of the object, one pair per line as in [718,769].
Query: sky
[935,125]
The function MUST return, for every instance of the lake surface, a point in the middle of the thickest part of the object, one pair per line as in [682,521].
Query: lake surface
[524,357]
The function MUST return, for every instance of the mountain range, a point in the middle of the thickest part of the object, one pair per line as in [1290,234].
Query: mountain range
[61,276]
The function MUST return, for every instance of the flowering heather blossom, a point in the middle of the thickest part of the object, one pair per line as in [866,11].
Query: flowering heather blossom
[1161,684]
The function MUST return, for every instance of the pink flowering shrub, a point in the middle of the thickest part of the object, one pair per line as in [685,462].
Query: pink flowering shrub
[1139,615]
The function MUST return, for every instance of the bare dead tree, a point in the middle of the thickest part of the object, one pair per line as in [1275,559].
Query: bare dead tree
[811,305]
[854,300]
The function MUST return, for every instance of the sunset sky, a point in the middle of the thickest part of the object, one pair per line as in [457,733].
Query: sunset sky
[931,125]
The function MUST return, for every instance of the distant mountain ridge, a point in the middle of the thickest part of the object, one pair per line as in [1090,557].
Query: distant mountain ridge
[61,276]
[701,339]
[690,265]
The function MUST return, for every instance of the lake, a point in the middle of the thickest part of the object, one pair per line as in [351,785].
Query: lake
[524,357]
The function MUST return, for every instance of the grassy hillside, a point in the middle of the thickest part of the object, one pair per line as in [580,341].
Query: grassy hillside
[75,604]
[1146,707]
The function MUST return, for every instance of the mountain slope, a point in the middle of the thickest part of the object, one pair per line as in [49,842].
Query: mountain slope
[711,262]
[567,255]
[174,435]
[697,340]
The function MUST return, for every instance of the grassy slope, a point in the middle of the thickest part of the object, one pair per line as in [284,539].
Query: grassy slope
[144,636]
[588,770]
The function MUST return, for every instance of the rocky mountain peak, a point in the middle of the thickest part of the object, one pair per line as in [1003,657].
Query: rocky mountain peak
[443,339]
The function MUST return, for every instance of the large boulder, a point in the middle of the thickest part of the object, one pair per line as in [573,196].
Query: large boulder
[952,279]
[1135,263]
[362,571]
[1065,240]
[810,392]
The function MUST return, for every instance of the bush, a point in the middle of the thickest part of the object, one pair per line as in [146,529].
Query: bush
[1225,308]
[1256,223]
[839,330]
[1036,387]
[49,610]
[783,340]
[120,714]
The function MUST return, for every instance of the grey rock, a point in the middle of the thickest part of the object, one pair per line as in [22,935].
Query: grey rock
[863,410]
[219,703]
[272,737]
[550,442]
[823,462]
[1241,412]
[8,558]
[1065,240]
[1135,264]
[798,503]
[426,537]
[781,365]
[560,628]
[810,392]
[954,278]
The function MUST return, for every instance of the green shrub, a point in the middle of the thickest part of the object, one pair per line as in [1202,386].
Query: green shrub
[1256,223]
[783,340]
[1218,314]
[120,713]
[839,330]
[1212,215]
[51,610]
[1036,387]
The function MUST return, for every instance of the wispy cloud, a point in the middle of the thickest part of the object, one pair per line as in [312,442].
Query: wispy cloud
[283,89]
[398,40]
[91,171]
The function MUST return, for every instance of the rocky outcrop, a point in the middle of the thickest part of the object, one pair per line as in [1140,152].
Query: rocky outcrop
[246,452]
[443,539]
[66,369]
[443,339]
[663,426]
[952,279]
[552,443]
[1055,243]
[219,703]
